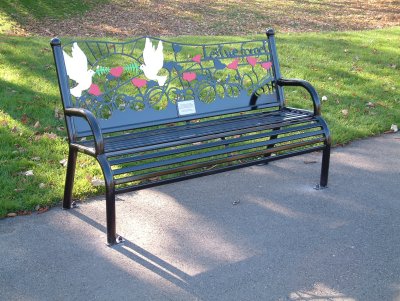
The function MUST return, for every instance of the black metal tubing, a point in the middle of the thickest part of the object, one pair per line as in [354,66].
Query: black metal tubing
[275,64]
[92,121]
[308,87]
[63,85]
[325,154]
[110,200]
[69,180]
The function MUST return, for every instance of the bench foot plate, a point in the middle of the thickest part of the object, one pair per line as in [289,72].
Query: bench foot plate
[118,240]
[73,205]
[320,187]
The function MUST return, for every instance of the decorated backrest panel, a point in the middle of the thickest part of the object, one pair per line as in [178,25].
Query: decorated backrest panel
[152,81]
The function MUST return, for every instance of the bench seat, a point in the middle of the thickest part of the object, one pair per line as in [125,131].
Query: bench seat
[151,153]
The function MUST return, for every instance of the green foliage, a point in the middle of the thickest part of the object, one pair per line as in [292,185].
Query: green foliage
[351,69]
[102,70]
[132,68]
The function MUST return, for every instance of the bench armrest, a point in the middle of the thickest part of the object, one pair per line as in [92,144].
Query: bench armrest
[308,87]
[94,126]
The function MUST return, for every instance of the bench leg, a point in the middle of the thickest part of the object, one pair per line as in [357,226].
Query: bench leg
[110,216]
[273,137]
[270,146]
[69,180]
[324,168]
[112,237]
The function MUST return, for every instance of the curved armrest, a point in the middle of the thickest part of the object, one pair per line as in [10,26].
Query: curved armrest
[94,126]
[308,87]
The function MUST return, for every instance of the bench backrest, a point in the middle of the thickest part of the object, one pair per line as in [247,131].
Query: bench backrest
[148,81]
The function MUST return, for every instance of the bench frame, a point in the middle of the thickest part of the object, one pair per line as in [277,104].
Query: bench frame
[98,150]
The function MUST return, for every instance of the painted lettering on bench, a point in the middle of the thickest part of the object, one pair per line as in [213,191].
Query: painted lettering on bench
[222,52]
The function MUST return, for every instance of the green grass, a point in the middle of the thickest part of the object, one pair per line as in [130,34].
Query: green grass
[14,13]
[40,9]
[350,69]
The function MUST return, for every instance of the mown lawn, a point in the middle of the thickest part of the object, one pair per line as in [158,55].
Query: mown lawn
[351,69]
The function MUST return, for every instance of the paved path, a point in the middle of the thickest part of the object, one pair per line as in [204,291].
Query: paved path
[187,241]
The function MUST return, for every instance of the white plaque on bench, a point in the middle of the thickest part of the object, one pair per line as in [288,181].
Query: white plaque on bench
[186,107]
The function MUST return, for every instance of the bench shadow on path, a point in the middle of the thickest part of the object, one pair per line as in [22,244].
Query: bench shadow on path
[293,244]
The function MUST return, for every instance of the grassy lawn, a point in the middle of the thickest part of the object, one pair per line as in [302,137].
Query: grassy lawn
[351,69]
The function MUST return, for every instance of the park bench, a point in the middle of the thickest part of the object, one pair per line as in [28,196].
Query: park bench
[153,111]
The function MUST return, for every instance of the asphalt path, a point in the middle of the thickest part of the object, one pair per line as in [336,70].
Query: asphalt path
[258,233]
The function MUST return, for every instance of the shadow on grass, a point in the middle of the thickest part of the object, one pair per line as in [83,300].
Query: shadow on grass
[39,9]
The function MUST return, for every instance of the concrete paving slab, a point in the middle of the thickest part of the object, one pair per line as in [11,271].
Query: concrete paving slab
[283,240]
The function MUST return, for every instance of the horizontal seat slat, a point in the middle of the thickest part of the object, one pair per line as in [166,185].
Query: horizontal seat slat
[175,151]
[224,151]
[208,137]
[177,134]
[158,136]
[203,125]
[216,161]
[161,131]
[216,170]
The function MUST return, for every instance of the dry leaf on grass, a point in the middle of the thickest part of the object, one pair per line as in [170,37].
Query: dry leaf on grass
[24,119]
[42,210]
[345,112]
[58,114]
[64,162]
[393,129]
[51,136]
[97,182]
[27,173]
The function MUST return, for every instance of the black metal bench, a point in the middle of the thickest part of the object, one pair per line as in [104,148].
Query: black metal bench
[153,115]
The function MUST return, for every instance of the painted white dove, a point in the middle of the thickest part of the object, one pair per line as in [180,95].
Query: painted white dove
[77,70]
[153,61]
